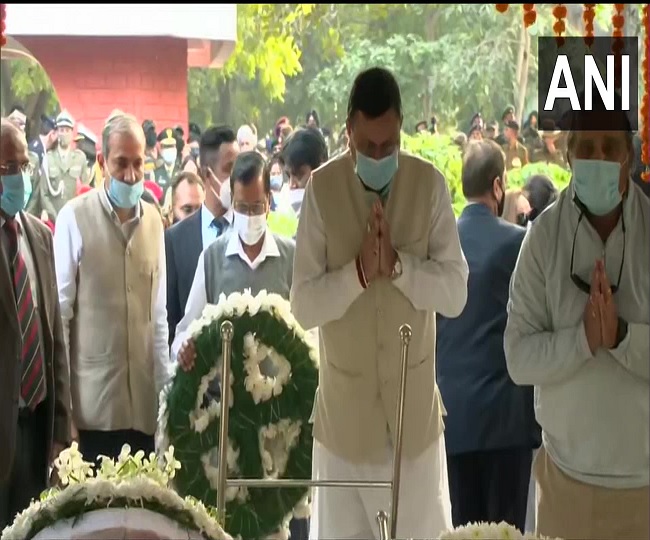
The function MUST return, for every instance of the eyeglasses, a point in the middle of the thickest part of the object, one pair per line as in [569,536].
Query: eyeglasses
[577,280]
[254,209]
[15,168]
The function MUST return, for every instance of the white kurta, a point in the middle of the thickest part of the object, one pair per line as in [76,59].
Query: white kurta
[351,513]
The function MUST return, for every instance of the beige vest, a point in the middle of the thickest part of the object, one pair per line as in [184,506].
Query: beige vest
[111,334]
[360,353]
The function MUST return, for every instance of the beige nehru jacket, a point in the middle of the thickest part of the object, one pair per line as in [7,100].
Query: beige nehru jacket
[111,334]
[360,351]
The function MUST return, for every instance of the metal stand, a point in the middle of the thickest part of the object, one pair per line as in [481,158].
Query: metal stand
[387,522]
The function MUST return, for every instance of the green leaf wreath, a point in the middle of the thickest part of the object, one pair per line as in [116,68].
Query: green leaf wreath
[193,430]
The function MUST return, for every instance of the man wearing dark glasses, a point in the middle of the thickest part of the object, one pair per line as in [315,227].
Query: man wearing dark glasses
[578,330]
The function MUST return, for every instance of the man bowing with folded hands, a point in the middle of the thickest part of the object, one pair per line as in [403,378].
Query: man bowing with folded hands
[377,247]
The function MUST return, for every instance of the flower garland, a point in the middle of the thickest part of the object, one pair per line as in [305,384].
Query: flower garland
[618,23]
[502,8]
[588,15]
[274,376]
[530,15]
[489,531]
[559,12]
[130,482]
[644,128]
[3,25]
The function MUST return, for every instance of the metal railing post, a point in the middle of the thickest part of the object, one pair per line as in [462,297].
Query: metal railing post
[227,331]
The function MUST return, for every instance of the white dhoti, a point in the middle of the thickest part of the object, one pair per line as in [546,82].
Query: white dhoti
[351,513]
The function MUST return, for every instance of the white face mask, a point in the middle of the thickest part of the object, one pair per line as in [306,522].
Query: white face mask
[249,228]
[226,197]
[169,155]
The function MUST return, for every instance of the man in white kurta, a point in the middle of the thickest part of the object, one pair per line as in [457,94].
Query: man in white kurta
[377,247]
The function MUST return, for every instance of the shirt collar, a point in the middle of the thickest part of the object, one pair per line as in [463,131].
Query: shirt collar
[269,249]
[207,217]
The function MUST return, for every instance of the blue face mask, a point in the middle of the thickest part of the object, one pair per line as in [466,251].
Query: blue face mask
[125,195]
[596,184]
[276,182]
[12,199]
[376,173]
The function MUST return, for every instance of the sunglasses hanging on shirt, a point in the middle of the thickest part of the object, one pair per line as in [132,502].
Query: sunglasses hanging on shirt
[577,280]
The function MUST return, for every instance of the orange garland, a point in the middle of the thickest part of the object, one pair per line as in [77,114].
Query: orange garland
[502,8]
[530,15]
[588,15]
[3,24]
[559,12]
[644,128]
[618,23]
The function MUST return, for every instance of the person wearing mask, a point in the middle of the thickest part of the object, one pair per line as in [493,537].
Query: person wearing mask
[578,330]
[191,160]
[246,138]
[188,194]
[377,247]
[66,168]
[185,241]
[167,169]
[277,182]
[32,186]
[46,138]
[490,429]
[303,152]
[35,392]
[250,258]
[86,141]
[110,267]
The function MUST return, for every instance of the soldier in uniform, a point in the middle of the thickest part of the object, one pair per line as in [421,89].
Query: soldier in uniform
[46,139]
[168,169]
[66,167]
[150,151]
[507,116]
[516,152]
[549,153]
[86,141]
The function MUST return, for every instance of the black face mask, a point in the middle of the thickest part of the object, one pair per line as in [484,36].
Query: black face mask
[522,220]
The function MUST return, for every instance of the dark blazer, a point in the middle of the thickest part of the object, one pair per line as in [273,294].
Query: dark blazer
[485,409]
[56,362]
[183,245]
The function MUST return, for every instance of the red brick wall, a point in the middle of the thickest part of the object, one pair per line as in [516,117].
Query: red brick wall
[92,76]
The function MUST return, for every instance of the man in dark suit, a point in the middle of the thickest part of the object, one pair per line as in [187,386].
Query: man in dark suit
[35,394]
[490,429]
[185,241]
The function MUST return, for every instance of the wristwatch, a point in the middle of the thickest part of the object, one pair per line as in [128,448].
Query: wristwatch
[397,267]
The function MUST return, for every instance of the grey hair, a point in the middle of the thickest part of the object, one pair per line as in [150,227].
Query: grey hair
[483,162]
[121,123]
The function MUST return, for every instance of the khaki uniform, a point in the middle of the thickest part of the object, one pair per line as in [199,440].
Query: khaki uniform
[64,170]
[33,205]
[164,176]
[544,156]
[516,156]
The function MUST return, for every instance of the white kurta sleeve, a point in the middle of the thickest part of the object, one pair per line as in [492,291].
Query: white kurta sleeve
[317,295]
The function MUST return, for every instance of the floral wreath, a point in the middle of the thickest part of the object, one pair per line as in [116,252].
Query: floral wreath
[130,482]
[491,531]
[270,435]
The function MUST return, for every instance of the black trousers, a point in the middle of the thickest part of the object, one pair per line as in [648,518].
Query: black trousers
[28,475]
[109,443]
[490,486]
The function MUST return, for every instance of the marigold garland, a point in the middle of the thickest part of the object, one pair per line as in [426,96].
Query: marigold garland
[530,15]
[644,128]
[588,15]
[502,8]
[3,24]
[559,12]
[618,24]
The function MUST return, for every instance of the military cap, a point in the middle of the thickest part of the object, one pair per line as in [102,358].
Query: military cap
[194,129]
[510,109]
[166,137]
[148,125]
[512,125]
[421,124]
[83,133]
[48,121]
[64,120]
